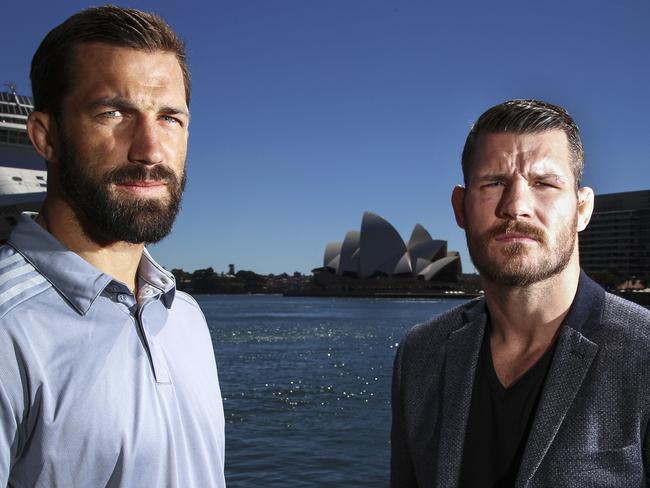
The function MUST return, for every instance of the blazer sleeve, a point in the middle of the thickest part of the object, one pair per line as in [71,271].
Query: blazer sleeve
[402,472]
[646,454]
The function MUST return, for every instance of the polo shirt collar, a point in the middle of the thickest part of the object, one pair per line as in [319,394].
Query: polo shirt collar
[74,277]
[151,273]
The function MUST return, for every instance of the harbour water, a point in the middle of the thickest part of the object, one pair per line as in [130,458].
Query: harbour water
[306,385]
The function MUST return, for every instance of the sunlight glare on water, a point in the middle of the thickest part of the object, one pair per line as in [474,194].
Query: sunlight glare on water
[306,385]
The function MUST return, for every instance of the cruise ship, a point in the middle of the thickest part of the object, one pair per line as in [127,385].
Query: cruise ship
[23,176]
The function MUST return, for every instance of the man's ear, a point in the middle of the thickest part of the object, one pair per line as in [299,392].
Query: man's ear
[41,129]
[458,204]
[585,206]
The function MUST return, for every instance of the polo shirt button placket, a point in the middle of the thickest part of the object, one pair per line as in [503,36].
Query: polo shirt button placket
[158,363]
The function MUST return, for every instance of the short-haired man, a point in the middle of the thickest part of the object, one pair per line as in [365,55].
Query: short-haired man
[107,374]
[543,382]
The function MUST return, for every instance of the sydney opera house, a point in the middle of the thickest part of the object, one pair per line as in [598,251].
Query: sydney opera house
[377,250]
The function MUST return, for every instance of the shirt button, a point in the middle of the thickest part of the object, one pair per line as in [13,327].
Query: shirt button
[121,297]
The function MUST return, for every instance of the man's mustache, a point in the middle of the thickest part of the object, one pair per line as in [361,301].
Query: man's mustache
[516,227]
[137,172]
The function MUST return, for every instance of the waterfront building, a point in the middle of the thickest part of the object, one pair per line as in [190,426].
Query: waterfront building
[377,250]
[617,240]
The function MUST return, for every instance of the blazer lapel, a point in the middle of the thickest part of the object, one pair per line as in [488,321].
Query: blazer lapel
[573,356]
[462,354]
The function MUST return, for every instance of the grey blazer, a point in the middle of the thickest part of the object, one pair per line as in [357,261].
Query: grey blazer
[591,424]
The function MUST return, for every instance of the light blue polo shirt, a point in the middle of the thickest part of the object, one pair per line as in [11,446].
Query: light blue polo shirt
[98,389]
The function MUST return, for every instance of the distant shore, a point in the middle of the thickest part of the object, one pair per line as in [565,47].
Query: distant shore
[380,294]
[325,284]
[636,297]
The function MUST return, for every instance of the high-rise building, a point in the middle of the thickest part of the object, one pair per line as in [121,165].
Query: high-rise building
[618,237]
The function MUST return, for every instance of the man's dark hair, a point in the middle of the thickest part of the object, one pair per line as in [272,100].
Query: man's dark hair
[53,73]
[526,117]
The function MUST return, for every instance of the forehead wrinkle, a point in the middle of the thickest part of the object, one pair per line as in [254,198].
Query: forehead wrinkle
[130,73]
[508,168]
[533,161]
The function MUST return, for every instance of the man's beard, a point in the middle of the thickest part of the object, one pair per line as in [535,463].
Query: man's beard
[110,216]
[515,271]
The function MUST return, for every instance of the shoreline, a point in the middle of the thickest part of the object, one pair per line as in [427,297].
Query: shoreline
[381,294]
[642,299]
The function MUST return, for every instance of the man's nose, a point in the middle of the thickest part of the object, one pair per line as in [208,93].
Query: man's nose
[146,141]
[515,202]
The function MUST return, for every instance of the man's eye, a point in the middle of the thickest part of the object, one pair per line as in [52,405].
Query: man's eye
[544,184]
[492,184]
[111,114]
[171,120]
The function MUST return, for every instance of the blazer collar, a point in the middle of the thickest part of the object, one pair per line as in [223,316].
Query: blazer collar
[461,358]
[574,354]
[585,313]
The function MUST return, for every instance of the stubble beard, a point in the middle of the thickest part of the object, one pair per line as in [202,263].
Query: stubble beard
[109,216]
[515,268]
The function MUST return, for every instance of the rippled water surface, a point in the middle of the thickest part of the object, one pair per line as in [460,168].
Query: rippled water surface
[306,385]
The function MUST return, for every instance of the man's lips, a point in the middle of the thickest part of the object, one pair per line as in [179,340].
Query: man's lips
[515,237]
[143,186]
[143,183]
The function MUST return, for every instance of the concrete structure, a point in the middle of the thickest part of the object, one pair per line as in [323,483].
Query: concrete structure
[378,250]
[618,237]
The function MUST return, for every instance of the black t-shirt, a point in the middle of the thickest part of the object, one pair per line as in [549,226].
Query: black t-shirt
[499,422]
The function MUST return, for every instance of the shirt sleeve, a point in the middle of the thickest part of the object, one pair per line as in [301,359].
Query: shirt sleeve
[14,400]
[8,433]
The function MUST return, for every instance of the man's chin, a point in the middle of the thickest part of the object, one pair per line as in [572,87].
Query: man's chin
[127,196]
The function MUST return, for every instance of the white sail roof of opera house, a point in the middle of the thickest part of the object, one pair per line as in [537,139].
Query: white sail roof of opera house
[378,249]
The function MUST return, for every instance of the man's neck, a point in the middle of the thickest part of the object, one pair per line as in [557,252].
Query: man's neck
[526,311]
[117,259]
[525,321]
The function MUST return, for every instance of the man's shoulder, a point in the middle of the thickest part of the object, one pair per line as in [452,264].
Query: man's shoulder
[627,318]
[188,322]
[617,304]
[19,280]
[186,300]
[439,328]
[186,308]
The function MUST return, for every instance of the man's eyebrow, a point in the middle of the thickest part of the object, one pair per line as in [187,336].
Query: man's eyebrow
[123,104]
[549,176]
[493,176]
[115,102]
[170,110]
[556,177]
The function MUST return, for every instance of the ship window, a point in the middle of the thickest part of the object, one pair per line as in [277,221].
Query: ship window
[14,137]
[42,178]
[43,185]
[16,178]
[14,120]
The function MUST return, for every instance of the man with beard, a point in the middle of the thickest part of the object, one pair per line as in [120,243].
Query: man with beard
[543,382]
[107,373]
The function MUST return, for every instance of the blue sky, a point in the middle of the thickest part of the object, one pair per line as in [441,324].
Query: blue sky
[306,113]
